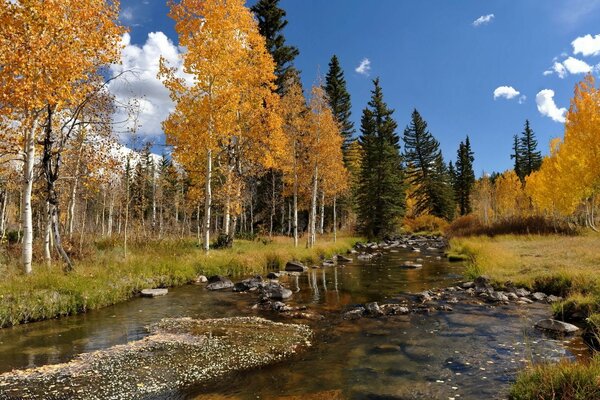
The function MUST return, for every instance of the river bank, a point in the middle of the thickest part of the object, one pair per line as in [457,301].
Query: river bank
[565,266]
[106,277]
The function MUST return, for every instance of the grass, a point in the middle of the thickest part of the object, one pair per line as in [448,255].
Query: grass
[565,381]
[567,266]
[105,277]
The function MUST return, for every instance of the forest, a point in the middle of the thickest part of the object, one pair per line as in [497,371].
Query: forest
[252,155]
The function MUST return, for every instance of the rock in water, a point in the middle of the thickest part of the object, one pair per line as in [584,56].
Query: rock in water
[411,265]
[556,326]
[178,353]
[154,292]
[539,296]
[340,258]
[295,266]
[248,284]
[373,309]
[219,282]
[275,291]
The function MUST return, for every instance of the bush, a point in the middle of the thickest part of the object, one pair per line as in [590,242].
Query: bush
[425,223]
[470,225]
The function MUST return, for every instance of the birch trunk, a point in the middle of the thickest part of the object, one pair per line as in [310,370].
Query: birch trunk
[47,233]
[26,210]
[334,220]
[313,209]
[207,201]
[322,219]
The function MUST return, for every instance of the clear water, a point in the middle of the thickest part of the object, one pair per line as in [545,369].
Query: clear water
[473,352]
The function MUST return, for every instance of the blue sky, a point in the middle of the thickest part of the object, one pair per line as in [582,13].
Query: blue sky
[430,55]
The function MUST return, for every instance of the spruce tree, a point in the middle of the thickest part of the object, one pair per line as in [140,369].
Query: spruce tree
[531,158]
[339,100]
[464,177]
[426,170]
[381,196]
[516,155]
[271,22]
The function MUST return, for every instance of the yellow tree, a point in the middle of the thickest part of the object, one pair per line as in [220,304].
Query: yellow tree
[510,198]
[226,98]
[322,141]
[49,49]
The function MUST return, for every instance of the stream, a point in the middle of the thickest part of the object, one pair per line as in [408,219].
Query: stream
[472,352]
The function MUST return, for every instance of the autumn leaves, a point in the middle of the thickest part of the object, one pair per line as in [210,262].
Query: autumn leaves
[229,123]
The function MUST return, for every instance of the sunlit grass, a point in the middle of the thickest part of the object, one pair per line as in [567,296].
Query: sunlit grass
[107,277]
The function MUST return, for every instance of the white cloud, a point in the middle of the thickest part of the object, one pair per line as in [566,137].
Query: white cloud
[483,20]
[507,92]
[141,85]
[571,65]
[522,99]
[587,45]
[364,68]
[126,14]
[547,107]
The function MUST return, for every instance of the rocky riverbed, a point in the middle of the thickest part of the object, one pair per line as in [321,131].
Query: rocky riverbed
[178,353]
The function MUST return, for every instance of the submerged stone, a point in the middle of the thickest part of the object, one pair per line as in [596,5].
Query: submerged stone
[219,282]
[154,292]
[556,326]
[295,266]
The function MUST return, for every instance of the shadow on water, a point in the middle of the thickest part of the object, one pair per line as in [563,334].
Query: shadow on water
[473,352]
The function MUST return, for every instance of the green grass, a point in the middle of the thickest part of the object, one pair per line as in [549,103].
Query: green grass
[105,277]
[564,381]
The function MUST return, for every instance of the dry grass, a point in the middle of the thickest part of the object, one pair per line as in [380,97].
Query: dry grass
[107,277]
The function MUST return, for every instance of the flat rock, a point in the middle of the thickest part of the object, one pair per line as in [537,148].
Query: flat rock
[154,292]
[556,326]
[275,291]
[373,309]
[539,296]
[341,258]
[411,265]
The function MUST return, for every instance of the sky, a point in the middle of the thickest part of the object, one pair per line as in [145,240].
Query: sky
[470,67]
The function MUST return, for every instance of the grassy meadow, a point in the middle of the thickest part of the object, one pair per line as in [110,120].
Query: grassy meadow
[105,277]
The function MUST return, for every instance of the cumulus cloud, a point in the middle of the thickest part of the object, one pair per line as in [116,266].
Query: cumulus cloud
[507,92]
[587,45]
[139,83]
[364,67]
[483,20]
[571,65]
[547,107]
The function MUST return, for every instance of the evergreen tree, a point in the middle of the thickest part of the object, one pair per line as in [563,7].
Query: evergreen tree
[516,155]
[339,100]
[531,159]
[464,177]
[271,22]
[426,170]
[381,198]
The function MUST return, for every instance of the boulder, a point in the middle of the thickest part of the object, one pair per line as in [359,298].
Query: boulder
[328,263]
[553,299]
[273,275]
[468,285]
[248,284]
[539,296]
[354,314]
[556,326]
[521,292]
[482,281]
[411,265]
[201,279]
[275,291]
[373,309]
[394,309]
[295,266]
[219,282]
[154,292]
[498,296]
[365,256]
[425,296]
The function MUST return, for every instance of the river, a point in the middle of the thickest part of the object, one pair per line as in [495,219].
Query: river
[473,352]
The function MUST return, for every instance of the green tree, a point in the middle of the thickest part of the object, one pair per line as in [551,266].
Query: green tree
[531,158]
[339,101]
[516,155]
[271,22]
[464,177]
[426,170]
[381,196]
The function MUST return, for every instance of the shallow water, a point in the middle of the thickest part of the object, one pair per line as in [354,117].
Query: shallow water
[471,353]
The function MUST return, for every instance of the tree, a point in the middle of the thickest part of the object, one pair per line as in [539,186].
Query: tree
[530,158]
[516,155]
[339,100]
[463,176]
[426,170]
[48,52]
[381,196]
[230,98]
[271,22]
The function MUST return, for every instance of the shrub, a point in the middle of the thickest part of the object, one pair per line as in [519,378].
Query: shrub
[425,223]
[470,225]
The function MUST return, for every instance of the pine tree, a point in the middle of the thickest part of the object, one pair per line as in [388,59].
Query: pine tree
[464,177]
[381,198]
[426,170]
[339,100]
[516,155]
[271,22]
[531,159]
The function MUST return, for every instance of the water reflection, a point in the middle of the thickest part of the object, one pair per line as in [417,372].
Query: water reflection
[473,352]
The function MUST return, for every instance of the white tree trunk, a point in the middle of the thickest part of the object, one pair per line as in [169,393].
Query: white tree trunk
[313,210]
[334,220]
[47,233]
[26,210]
[295,212]
[322,219]
[207,201]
